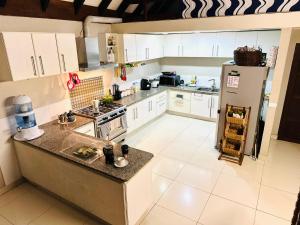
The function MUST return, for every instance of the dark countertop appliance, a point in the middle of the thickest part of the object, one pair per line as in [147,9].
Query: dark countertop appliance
[117,94]
[169,79]
[145,84]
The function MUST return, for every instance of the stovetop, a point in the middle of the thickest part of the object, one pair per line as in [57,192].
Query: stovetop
[103,110]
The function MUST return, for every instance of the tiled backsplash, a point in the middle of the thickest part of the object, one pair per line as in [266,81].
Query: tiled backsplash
[86,91]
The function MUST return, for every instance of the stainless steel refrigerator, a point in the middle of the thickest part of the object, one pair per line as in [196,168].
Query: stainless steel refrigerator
[242,86]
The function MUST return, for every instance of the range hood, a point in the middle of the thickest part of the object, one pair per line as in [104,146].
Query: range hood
[88,46]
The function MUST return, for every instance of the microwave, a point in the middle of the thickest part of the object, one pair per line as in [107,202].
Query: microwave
[166,80]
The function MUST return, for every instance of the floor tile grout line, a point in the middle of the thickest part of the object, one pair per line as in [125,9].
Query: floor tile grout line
[209,197]
[178,214]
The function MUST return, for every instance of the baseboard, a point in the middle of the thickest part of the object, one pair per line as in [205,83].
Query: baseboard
[11,186]
[190,116]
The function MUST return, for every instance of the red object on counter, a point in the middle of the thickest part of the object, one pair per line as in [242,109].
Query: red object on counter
[123,74]
[73,81]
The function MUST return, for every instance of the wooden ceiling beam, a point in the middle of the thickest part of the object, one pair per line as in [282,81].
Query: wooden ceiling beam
[102,8]
[44,4]
[77,5]
[123,6]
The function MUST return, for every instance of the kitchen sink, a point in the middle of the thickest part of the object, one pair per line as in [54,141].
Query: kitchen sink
[208,89]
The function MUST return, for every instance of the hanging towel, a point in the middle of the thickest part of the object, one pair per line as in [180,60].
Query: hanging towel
[124,121]
[104,131]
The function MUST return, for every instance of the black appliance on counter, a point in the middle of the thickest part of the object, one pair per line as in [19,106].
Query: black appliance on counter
[169,79]
[145,84]
[117,94]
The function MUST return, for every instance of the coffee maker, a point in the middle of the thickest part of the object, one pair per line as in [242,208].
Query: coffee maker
[25,118]
[117,94]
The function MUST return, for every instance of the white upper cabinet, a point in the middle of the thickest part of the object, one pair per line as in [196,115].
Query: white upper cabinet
[67,52]
[18,61]
[142,45]
[190,45]
[225,44]
[172,45]
[267,39]
[248,38]
[129,48]
[206,43]
[156,48]
[46,53]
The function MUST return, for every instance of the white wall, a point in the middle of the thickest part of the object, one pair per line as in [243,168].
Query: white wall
[204,68]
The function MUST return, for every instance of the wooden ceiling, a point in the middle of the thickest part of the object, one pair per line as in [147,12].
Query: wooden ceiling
[129,10]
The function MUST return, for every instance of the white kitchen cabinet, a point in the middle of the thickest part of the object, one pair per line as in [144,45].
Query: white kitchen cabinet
[225,44]
[190,45]
[143,43]
[46,53]
[267,39]
[172,45]
[214,107]
[180,102]
[156,49]
[67,52]
[201,105]
[247,38]
[161,103]
[88,129]
[18,60]
[206,44]
[128,50]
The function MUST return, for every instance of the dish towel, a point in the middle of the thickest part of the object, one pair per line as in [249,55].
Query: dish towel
[124,121]
[104,131]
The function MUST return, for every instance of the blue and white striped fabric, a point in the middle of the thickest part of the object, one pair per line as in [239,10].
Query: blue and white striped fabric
[210,8]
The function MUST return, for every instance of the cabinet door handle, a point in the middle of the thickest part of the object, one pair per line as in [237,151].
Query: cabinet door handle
[182,50]
[213,50]
[217,50]
[41,63]
[137,115]
[64,62]
[33,66]
[149,109]
[178,50]
[126,55]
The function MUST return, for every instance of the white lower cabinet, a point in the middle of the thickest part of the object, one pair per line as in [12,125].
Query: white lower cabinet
[201,105]
[88,129]
[204,105]
[214,106]
[161,103]
[180,102]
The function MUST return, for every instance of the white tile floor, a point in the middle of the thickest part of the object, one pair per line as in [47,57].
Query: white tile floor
[190,186]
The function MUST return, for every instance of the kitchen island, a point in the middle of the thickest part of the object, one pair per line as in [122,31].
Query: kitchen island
[119,196]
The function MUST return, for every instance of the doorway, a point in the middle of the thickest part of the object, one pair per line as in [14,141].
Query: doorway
[289,129]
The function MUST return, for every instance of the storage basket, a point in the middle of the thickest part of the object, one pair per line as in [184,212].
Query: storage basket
[247,58]
[232,135]
[230,151]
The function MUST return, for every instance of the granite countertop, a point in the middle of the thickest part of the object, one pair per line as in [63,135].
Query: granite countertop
[59,138]
[143,94]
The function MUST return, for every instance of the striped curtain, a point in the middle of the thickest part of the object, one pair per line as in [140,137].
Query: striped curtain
[210,8]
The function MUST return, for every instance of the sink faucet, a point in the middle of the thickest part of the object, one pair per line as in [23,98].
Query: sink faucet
[213,86]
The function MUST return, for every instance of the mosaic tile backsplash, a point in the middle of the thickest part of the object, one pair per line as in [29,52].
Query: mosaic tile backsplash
[88,90]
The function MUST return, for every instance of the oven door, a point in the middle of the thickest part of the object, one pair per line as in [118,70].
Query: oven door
[114,129]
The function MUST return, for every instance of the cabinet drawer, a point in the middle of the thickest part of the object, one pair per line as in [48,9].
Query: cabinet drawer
[87,129]
[161,97]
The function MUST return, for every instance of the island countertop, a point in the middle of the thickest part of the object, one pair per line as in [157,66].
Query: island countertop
[59,138]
